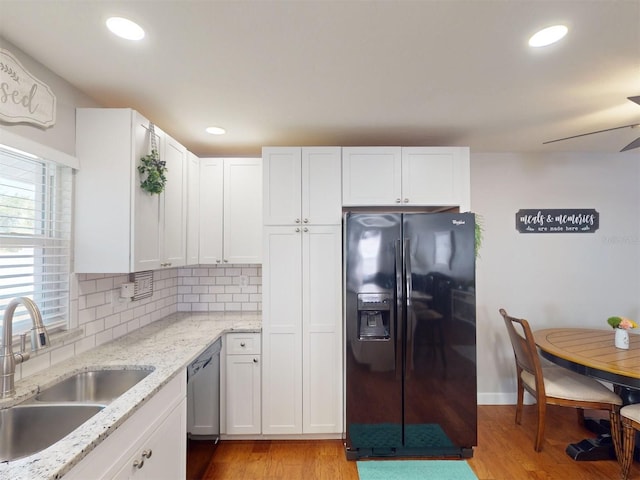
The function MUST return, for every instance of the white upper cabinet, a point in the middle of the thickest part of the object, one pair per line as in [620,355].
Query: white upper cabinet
[423,176]
[174,219]
[211,209]
[230,210]
[193,208]
[436,176]
[302,185]
[371,175]
[119,227]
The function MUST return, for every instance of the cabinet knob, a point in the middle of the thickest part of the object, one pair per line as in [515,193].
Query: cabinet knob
[306,220]
[297,229]
[147,453]
[406,200]
[225,261]
[255,360]
[218,261]
[138,464]
[297,220]
[398,200]
[242,344]
[305,229]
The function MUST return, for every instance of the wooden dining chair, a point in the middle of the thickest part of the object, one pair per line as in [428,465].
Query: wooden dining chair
[630,423]
[555,385]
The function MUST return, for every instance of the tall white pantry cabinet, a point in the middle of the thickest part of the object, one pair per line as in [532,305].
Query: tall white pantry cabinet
[302,291]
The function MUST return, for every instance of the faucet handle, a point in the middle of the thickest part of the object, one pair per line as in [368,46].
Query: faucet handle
[39,337]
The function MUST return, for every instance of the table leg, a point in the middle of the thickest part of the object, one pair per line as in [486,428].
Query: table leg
[601,447]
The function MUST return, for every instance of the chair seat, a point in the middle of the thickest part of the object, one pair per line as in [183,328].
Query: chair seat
[632,412]
[563,383]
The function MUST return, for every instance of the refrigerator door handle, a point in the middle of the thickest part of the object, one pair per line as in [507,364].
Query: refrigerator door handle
[406,254]
[409,318]
[399,310]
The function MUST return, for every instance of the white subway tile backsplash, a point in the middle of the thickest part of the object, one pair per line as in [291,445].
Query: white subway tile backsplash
[96,308]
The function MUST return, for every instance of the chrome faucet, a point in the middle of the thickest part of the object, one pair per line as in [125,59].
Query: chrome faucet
[39,339]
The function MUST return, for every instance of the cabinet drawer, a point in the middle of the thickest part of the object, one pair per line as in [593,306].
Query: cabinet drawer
[239,343]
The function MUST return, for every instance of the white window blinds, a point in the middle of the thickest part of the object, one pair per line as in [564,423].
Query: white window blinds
[35,231]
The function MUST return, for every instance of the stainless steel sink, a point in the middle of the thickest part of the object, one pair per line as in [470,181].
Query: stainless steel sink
[28,429]
[95,386]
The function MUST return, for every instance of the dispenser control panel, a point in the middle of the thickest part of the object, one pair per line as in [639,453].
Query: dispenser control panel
[374,301]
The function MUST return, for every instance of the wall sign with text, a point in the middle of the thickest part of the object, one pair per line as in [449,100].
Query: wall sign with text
[557,220]
[24,98]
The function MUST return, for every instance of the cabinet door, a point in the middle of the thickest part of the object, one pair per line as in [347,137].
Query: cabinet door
[211,184]
[282,331]
[321,185]
[282,189]
[322,329]
[371,176]
[109,143]
[436,176]
[242,210]
[174,220]
[159,425]
[193,208]
[243,394]
[163,455]
[146,241]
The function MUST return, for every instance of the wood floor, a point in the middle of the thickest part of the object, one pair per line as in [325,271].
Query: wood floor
[504,452]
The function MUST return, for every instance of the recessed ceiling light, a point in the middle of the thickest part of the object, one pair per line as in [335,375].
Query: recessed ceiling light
[548,35]
[125,28]
[216,130]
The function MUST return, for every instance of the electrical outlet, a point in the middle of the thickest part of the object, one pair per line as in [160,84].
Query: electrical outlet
[244,280]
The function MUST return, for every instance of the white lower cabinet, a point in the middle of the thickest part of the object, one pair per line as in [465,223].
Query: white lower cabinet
[243,377]
[151,444]
[302,330]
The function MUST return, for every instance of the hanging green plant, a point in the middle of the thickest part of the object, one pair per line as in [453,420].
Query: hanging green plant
[153,173]
[479,234]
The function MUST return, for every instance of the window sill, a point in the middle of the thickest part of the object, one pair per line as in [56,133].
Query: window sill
[57,336]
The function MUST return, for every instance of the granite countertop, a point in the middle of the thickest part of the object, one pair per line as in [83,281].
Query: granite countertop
[168,345]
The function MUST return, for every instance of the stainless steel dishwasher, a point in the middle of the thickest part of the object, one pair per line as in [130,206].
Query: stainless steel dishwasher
[203,394]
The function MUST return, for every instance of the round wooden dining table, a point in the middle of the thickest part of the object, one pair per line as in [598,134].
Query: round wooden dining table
[592,352]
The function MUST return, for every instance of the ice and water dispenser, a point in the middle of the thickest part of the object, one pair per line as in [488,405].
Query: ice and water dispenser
[374,316]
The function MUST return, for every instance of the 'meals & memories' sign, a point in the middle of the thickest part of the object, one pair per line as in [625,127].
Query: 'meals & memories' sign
[24,98]
[557,220]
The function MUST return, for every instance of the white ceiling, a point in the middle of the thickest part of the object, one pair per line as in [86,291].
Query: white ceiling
[456,72]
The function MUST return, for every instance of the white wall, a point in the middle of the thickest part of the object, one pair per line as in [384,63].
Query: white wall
[552,279]
[62,135]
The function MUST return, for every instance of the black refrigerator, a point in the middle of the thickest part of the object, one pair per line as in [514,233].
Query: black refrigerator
[410,337]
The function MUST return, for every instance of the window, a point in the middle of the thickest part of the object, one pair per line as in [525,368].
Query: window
[35,231]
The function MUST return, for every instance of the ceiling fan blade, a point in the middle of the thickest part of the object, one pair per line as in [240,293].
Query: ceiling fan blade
[635,99]
[632,145]
[591,133]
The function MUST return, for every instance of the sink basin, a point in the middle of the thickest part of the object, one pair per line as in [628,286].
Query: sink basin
[28,429]
[95,386]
